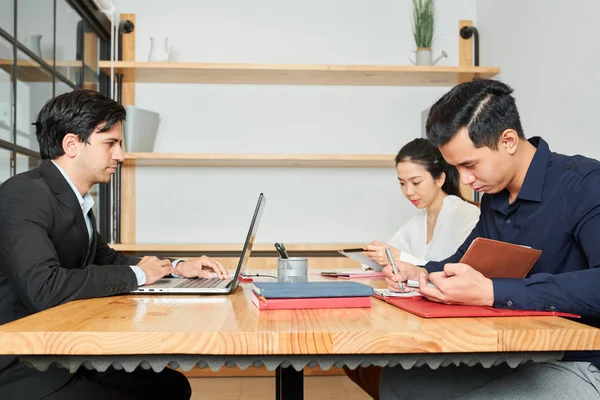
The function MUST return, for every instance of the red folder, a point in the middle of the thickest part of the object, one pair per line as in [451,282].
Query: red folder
[430,309]
[309,303]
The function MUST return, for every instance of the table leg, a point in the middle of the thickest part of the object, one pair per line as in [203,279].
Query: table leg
[289,384]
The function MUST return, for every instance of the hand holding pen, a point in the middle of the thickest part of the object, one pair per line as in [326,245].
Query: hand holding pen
[390,259]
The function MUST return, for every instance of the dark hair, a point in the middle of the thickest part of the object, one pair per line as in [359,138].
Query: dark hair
[422,151]
[484,106]
[78,112]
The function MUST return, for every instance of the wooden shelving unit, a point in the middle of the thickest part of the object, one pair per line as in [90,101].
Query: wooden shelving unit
[260,160]
[31,71]
[284,74]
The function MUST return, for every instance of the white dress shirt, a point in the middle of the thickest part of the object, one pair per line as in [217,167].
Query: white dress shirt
[86,203]
[456,220]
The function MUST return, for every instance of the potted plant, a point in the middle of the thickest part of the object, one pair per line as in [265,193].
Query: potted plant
[423,27]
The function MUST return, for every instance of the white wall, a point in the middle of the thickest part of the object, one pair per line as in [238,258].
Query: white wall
[305,205]
[549,53]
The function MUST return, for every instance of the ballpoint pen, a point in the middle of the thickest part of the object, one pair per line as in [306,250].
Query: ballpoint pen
[390,259]
[281,251]
[284,250]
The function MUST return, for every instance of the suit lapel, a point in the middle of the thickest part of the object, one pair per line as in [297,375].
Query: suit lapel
[64,193]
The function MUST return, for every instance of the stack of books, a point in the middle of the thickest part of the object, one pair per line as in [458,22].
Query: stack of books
[307,295]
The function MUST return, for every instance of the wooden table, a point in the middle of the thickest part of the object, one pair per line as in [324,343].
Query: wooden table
[215,331]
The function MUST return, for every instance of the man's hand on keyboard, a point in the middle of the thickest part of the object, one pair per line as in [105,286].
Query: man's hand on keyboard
[154,268]
[203,267]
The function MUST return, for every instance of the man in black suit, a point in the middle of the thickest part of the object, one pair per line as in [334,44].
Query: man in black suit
[51,252]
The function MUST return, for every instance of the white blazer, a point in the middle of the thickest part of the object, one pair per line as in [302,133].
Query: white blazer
[455,222]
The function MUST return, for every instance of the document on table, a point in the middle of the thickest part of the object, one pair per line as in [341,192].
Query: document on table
[390,293]
[364,260]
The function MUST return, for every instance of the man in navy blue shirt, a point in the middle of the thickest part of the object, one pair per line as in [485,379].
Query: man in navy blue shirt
[533,197]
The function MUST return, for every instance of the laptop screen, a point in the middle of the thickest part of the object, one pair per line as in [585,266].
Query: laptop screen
[247,249]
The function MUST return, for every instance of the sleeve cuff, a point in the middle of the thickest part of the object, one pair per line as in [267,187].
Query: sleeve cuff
[409,258]
[139,275]
[174,264]
[434,266]
[509,293]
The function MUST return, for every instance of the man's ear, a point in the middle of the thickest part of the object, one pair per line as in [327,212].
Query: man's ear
[71,144]
[509,140]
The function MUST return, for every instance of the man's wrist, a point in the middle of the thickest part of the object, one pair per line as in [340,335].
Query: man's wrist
[488,299]
[175,272]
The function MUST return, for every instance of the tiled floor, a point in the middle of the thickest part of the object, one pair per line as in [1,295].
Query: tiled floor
[315,388]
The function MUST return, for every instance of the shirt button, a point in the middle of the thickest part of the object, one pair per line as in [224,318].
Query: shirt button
[510,303]
[508,221]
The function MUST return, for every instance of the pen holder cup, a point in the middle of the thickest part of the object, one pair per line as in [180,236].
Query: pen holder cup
[293,269]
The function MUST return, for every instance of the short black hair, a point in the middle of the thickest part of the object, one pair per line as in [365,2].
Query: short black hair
[422,151]
[484,106]
[78,112]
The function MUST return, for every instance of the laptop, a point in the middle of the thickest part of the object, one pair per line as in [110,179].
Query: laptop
[210,286]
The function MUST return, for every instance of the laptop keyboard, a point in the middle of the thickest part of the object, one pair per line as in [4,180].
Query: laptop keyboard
[200,283]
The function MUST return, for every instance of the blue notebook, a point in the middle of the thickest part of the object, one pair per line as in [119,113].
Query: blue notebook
[296,290]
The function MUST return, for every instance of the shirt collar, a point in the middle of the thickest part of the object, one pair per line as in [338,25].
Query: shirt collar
[536,173]
[86,202]
[533,184]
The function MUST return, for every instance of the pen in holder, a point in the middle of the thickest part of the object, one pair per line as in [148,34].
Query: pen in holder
[292,269]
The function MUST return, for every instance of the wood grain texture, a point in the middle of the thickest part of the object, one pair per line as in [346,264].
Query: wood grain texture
[31,71]
[127,203]
[231,325]
[315,264]
[261,160]
[381,75]
[128,47]
[229,247]
[465,48]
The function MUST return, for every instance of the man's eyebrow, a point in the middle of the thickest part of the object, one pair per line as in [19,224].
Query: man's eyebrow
[466,162]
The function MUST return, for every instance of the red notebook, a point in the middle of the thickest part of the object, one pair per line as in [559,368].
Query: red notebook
[310,303]
[430,309]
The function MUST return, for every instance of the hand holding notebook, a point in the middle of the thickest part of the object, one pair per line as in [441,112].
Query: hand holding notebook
[496,259]
[469,282]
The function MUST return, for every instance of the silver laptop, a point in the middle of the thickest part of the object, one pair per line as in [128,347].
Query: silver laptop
[210,286]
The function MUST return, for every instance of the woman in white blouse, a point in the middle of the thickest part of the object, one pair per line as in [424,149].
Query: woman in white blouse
[443,219]
[441,224]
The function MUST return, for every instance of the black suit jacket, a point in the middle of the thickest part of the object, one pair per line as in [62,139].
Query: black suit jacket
[45,260]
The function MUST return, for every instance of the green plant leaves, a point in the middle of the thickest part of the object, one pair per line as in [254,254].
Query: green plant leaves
[423,22]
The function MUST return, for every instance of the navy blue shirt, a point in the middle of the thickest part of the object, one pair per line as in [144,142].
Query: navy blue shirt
[557,211]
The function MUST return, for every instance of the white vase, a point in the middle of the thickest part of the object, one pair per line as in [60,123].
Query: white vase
[160,47]
[423,57]
[34,44]
[140,129]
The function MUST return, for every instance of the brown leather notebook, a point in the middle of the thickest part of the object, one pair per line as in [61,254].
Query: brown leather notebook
[496,259]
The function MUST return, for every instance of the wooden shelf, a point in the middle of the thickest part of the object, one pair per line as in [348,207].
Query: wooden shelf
[229,247]
[260,160]
[288,74]
[32,71]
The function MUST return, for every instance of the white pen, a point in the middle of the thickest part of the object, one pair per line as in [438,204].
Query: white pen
[388,254]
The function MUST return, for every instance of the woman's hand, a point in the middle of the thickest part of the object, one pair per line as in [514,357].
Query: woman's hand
[376,252]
